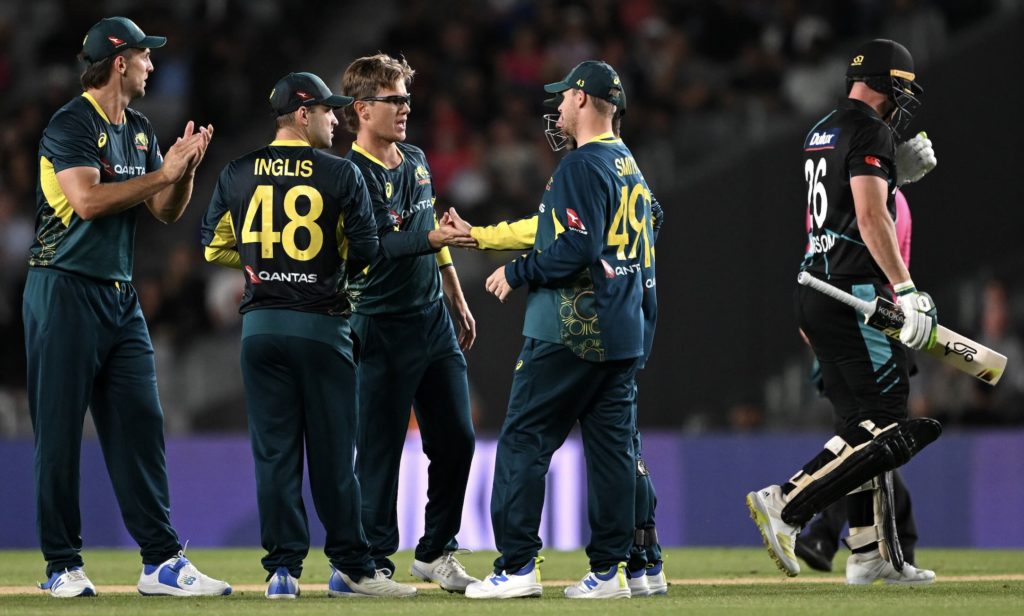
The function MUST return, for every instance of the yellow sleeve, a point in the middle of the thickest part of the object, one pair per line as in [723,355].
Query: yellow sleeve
[515,235]
[221,250]
[444,257]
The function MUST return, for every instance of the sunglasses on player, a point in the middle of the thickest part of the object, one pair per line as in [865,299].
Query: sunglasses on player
[395,99]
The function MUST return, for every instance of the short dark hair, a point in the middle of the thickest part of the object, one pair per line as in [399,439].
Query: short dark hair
[97,74]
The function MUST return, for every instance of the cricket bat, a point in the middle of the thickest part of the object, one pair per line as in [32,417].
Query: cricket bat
[949,347]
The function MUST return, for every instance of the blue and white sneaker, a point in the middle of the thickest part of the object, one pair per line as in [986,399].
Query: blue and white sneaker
[283,585]
[638,583]
[656,582]
[523,583]
[611,584]
[380,585]
[69,583]
[177,577]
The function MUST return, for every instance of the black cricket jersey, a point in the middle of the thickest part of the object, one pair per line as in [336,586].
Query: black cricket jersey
[295,215]
[852,140]
[81,135]
[407,278]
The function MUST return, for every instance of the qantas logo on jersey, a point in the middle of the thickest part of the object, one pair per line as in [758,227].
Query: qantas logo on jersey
[261,277]
[574,221]
[822,140]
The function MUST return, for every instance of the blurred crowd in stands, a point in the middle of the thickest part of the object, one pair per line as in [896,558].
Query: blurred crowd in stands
[698,73]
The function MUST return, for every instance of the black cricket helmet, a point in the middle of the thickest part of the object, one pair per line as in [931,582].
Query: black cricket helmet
[887,67]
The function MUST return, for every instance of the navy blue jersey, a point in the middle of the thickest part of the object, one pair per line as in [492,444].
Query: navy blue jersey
[852,140]
[594,243]
[300,215]
[407,278]
[81,135]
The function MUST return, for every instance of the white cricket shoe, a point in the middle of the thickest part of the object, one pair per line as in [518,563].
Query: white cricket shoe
[178,577]
[611,584]
[656,582]
[69,583]
[283,585]
[523,583]
[780,538]
[638,583]
[380,585]
[871,568]
[445,571]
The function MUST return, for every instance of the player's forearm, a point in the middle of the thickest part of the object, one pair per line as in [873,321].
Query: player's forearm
[563,258]
[452,287]
[399,244]
[169,204]
[226,257]
[879,233]
[515,235]
[91,199]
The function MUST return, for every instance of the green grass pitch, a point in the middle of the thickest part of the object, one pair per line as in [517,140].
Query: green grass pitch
[703,580]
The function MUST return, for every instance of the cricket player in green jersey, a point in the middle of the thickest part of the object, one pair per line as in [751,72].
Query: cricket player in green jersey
[303,220]
[410,354]
[87,343]
[585,335]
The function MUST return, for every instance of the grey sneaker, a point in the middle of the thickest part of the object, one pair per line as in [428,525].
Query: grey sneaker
[445,571]
[380,585]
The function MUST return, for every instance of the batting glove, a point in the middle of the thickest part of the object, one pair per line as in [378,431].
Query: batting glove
[914,158]
[920,318]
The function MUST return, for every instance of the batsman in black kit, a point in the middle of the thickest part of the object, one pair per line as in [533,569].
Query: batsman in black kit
[851,175]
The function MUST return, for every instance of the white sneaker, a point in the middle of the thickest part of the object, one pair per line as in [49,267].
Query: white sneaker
[523,583]
[611,584]
[177,577]
[283,585]
[380,585]
[69,583]
[638,583]
[780,538]
[446,571]
[870,568]
[656,582]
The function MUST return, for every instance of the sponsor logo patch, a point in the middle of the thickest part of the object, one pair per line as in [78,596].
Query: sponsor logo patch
[608,271]
[822,140]
[303,96]
[116,42]
[873,161]
[102,141]
[253,278]
[574,220]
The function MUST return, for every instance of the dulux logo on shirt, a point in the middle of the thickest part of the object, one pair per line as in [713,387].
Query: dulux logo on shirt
[822,140]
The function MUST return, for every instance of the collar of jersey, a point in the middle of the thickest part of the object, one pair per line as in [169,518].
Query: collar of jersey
[603,138]
[96,106]
[293,143]
[358,148]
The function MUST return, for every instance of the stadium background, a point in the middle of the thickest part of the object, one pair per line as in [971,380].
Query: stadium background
[720,94]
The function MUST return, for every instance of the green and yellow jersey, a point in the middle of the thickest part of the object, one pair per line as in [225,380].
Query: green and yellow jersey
[81,135]
[293,218]
[408,276]
[521,234]
[593,256]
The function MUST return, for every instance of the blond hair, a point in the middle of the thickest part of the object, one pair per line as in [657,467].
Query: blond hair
[368,75]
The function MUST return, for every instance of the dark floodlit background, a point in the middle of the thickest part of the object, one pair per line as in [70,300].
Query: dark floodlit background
[720,95]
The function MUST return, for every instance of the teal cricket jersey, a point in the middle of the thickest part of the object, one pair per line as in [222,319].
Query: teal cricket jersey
[594,244]
[81,135]
[292,218]
[407,278]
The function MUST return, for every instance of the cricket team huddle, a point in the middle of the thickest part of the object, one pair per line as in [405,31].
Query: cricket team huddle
[345,326]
